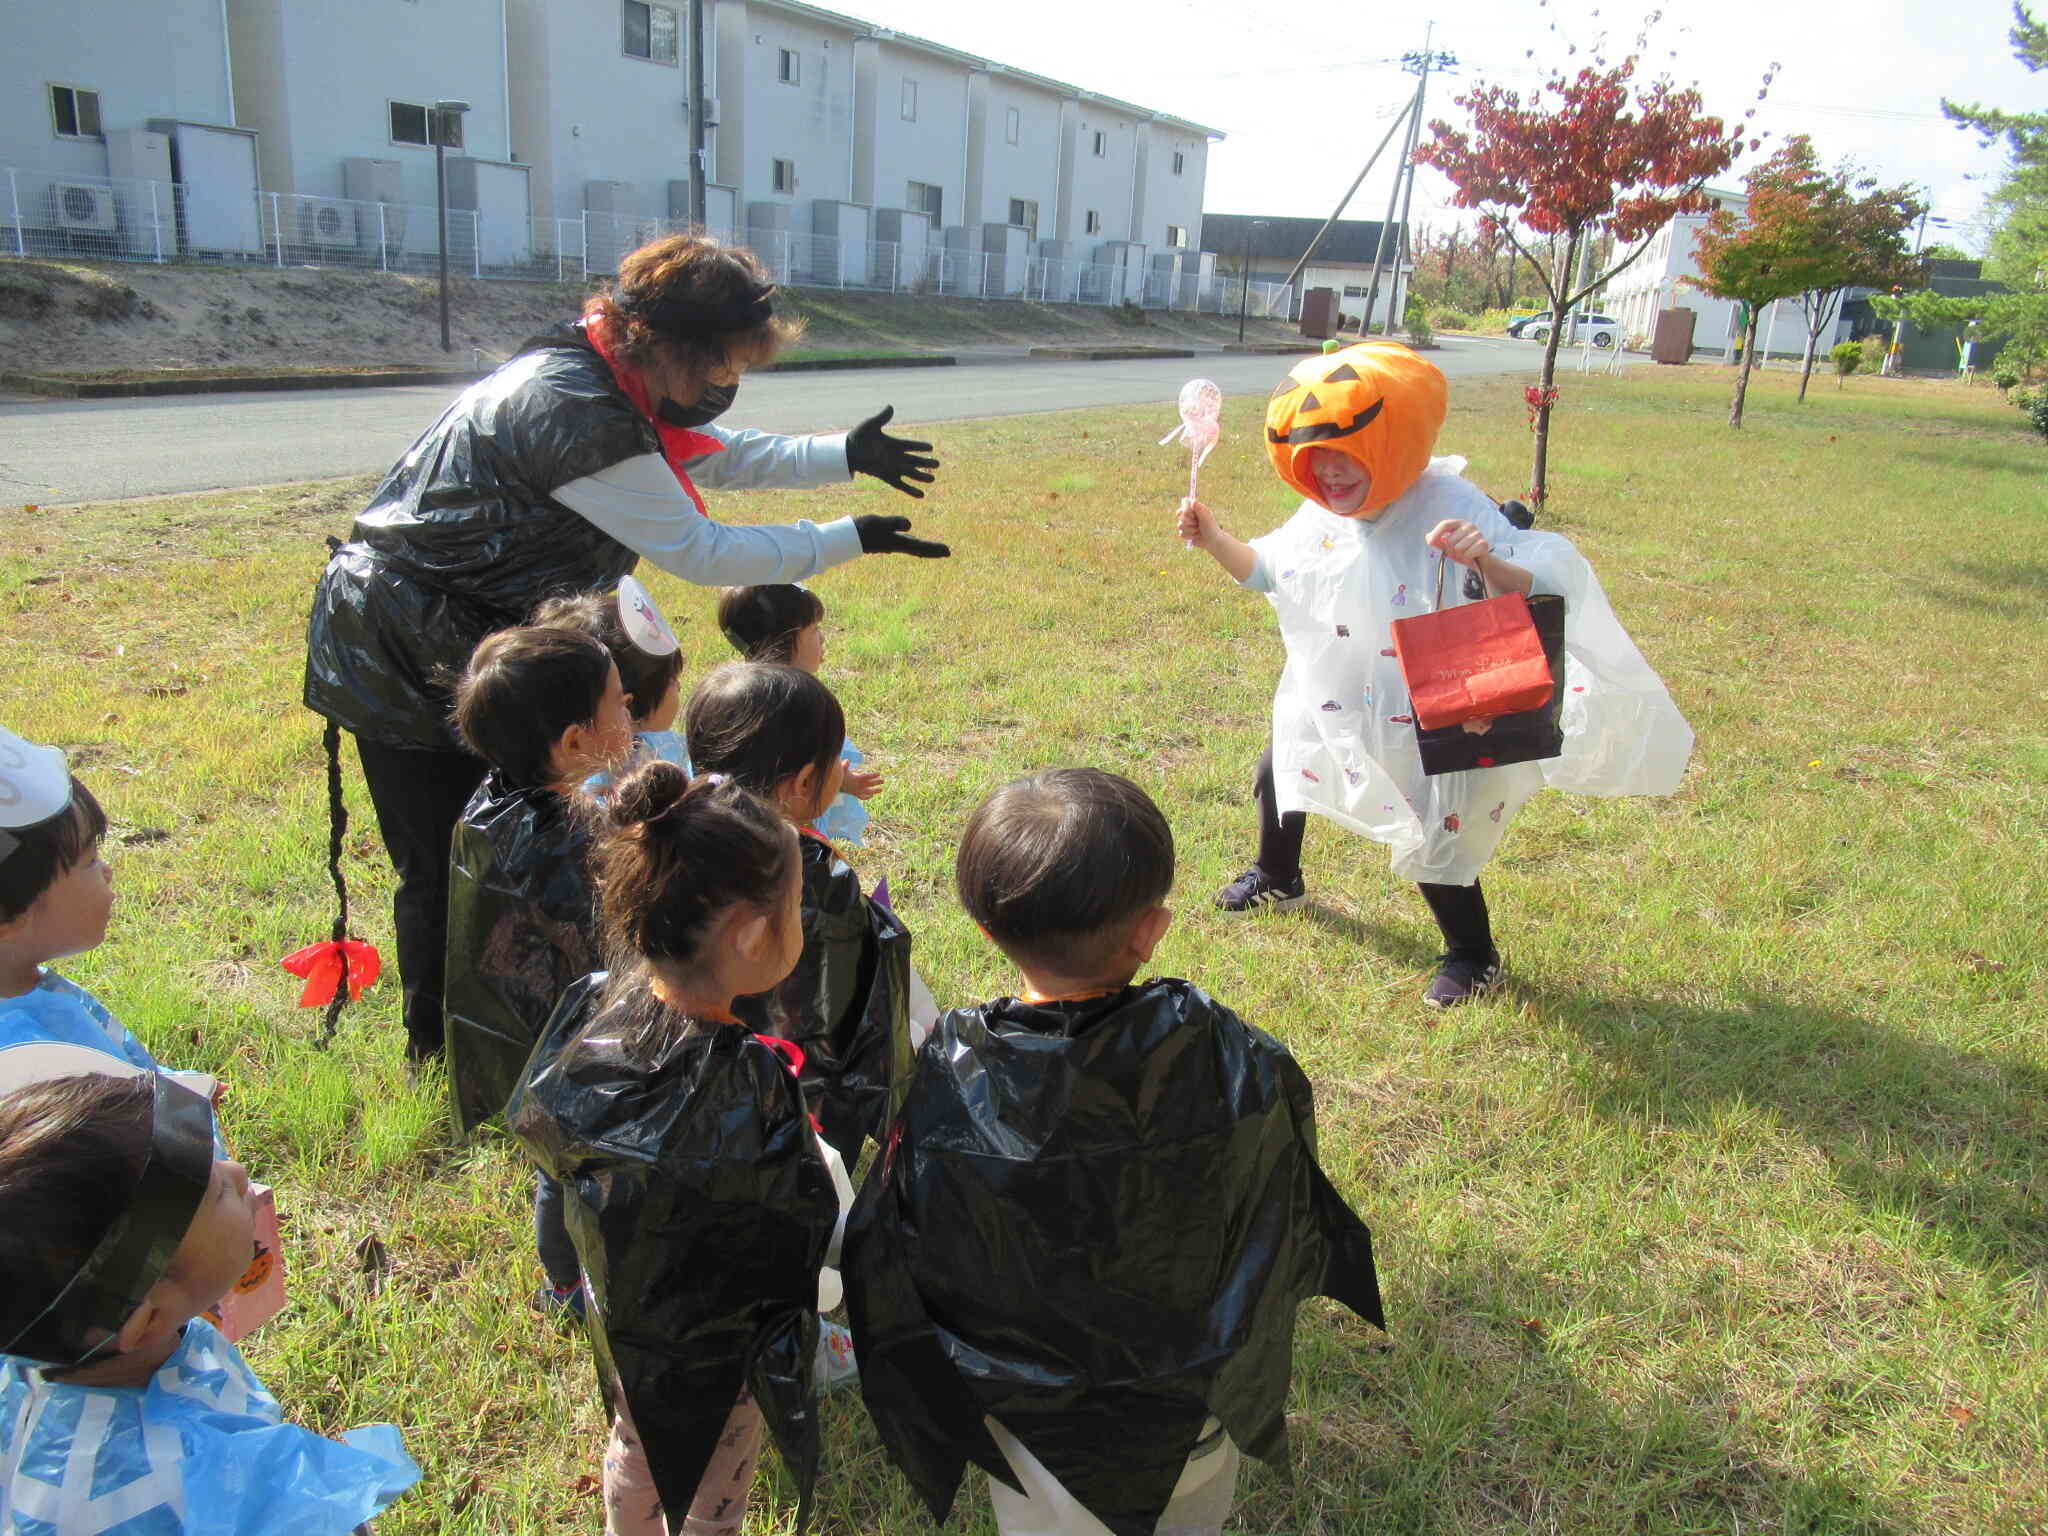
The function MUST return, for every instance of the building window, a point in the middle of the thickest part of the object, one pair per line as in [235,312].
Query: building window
[784,176]
[788,67]
[650,32]
[927,199]
[1013,126]
[412,123]
[1176,237]
[909,106]
[1091,223]
[75,112]
[1180,162]
[1024,214]
[1101,143]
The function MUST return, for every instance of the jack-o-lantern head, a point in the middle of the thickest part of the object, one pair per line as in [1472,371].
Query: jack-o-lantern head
[1376,403]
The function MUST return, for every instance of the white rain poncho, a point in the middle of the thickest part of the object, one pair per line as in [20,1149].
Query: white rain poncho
[201,1450]
[1343,738]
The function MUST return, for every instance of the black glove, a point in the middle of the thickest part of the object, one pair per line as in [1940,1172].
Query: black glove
[1518,514]
[891,536]
[891,460]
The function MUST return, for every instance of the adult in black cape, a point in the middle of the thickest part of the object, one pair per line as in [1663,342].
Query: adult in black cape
[557,473]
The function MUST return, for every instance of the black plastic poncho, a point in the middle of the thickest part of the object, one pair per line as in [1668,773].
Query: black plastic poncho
[846,1005]
[1093,1222]
[521,929]
[464,537]
[701,1210]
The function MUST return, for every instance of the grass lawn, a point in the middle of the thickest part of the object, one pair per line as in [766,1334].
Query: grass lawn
[1729,1214]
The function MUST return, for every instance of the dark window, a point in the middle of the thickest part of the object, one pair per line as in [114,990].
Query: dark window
[788,67]
[411,122]
[1101,142]
[1180,162]
[650,32]
[785,175]
[76,112]
[927,198]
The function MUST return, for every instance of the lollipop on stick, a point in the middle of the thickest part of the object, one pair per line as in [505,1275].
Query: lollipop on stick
[1201,424]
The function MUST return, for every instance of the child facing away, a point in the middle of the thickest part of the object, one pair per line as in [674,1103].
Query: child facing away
[545,708]
[700,1198]
[1143,1125]
[1354,431]
[650,661]
[785,623]
[126,1411]
[846,1004]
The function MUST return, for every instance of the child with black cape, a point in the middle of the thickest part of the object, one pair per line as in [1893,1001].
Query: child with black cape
[1078,1261]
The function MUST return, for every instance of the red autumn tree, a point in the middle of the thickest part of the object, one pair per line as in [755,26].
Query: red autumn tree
[1808,234]
[1593,151]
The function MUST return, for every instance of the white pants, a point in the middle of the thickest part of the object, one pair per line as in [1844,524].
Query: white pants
[1200,1504]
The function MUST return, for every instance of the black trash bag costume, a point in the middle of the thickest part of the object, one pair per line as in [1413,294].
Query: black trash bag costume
[702,1211]
[1093,1221]
[464,538]
[846,1005]
[521,930]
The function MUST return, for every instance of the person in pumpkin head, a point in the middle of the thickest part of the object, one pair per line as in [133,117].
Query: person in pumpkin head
[1355,431]
[557,473]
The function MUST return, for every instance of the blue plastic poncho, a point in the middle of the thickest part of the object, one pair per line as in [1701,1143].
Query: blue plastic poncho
[845,819]
[202,1450]
[62,1011]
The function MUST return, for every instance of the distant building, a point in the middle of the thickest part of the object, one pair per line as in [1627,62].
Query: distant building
[1343,260]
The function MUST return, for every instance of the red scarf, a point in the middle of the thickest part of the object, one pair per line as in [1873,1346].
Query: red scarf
[678,444]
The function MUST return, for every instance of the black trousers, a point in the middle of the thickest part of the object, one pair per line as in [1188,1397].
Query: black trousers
[419,794]
[1459,910]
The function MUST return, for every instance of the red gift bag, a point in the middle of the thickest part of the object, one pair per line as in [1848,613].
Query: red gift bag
[1476,661]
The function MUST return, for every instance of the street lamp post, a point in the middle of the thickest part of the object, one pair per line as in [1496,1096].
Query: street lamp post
[444,113]
[1244,298]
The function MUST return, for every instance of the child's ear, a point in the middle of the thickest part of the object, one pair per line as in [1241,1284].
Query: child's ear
[146,1322]
[751,934]
[1148,931]
[799,792]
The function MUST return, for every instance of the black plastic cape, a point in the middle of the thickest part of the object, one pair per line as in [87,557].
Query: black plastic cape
[846,1005]
[521,929]
[701,1210]
[1093,1221]
[464,537]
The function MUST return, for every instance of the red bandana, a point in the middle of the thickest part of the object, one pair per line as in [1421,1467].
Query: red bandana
[678,444]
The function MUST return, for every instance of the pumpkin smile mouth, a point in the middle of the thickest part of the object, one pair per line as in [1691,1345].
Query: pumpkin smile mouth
[1323,431]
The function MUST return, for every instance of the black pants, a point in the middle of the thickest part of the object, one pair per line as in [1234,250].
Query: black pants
[1459,910]
[419,795]
[551,1236]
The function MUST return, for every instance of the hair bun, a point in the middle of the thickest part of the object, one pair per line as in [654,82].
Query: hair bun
[648,793]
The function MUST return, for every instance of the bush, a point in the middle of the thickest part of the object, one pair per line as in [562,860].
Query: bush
[1874,349]
[2037,409]
[1447,319]
[2006,372]
[2022,397]
[1847,358]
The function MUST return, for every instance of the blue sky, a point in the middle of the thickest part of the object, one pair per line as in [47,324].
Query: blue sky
[1304,100]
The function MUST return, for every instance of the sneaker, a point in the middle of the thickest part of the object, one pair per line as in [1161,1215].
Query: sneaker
[558,1305]
[1254,891]
[1462,977]
[836,1366]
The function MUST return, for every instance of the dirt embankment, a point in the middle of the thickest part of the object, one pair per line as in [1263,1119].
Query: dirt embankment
[93,318]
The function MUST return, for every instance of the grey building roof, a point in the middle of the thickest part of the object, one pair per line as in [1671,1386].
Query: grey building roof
[1349,242]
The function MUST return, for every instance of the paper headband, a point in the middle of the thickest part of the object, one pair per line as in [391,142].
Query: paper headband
[643,622]
[35,787]
[135,1251]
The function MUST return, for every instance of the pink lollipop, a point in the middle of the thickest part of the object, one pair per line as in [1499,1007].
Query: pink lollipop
[1201,425]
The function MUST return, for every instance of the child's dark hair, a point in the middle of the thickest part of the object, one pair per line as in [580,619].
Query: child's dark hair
[676,852]
[522,689]
[646,679]
[1056,867]
[763,622]
[762,723]
[47,850]
[71,1150]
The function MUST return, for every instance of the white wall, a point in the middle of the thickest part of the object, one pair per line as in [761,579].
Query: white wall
[810,122]
[931,148]
[325,92]
[166,58]
[1163,197]
[1103,183]
[1027,170]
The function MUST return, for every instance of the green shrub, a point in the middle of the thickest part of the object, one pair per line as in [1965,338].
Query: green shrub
[1847,358]
[1446,319]
[2022,397]
[1874,349]
[2037,409]
[2006,372]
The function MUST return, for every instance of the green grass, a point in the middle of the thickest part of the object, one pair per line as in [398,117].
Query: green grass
[1730,1213]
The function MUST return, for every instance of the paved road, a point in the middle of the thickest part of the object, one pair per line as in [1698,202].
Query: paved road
[53,452]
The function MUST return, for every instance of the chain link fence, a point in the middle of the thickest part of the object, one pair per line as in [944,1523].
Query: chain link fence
[113,219]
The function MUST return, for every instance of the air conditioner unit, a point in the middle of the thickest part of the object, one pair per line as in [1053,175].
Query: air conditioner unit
[327,223]
[82,206]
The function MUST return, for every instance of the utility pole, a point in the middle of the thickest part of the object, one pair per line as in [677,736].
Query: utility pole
[1400,118]
[700,169]
[1419,65]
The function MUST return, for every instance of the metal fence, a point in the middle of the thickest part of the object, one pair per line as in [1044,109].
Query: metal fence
[113,219]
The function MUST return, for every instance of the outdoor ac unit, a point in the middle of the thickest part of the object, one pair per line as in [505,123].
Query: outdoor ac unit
[80,205]
[327,223]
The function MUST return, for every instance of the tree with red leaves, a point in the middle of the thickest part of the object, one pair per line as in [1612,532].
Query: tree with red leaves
[1808,234]
[1581,154]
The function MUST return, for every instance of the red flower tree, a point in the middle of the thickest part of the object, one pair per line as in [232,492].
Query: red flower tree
[1593,152]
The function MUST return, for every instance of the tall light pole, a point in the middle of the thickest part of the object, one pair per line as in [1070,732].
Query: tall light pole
[444,113]
[1244,298]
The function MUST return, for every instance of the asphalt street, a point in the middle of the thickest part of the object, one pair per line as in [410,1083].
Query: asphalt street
[57,451]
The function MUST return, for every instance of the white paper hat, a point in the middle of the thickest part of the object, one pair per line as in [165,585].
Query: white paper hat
[35,785]
[645,626]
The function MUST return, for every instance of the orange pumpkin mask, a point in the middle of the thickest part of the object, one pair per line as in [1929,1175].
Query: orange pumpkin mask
[1377,403]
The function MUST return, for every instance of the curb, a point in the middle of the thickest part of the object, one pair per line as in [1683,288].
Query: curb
[834,364]
[1108,354]
[1272,348]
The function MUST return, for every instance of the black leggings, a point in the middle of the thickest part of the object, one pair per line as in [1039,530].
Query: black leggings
[1459,910]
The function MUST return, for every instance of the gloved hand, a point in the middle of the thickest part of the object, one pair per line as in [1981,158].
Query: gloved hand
[891,536]
[891,460]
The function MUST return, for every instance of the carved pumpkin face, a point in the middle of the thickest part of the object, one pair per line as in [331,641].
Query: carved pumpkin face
[1376,403]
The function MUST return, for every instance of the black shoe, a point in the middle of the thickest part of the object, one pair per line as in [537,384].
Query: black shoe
[1254,891]
[1461,977]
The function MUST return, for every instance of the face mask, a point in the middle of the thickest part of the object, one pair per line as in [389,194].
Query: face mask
[712,403]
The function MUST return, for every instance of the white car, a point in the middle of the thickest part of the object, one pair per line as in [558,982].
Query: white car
[1605,330]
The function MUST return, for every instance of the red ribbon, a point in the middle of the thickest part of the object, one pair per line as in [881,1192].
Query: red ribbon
[678,444]
[791,1053]
[321,966]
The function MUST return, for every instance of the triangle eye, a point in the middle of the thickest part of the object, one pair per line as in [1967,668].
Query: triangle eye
[1284,387]
[1343,373]
[1309,403]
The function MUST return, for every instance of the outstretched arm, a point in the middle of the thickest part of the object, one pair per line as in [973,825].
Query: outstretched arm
[1198,526]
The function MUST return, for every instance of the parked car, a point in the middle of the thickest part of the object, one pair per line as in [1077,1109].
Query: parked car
[1605,330]
[1516,322]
